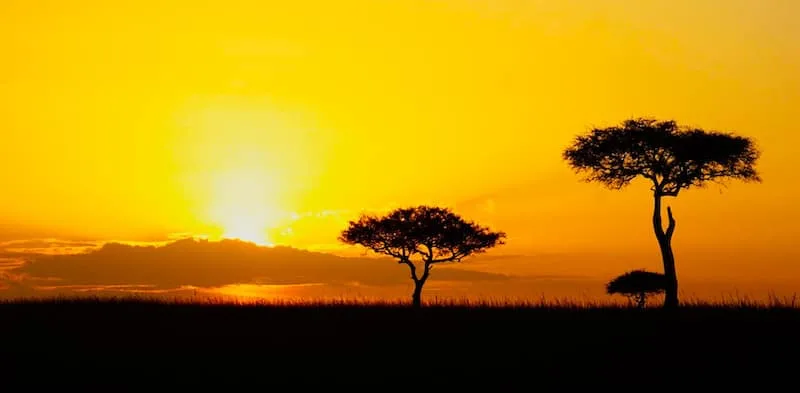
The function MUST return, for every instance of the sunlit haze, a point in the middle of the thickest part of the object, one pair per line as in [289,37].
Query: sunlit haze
[277,122]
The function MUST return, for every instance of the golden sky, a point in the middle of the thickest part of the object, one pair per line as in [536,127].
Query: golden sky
[278,121]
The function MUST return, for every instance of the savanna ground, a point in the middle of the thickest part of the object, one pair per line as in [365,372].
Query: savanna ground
[117,343]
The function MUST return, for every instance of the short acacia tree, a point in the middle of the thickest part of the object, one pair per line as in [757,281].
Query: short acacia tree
[421,237]
[671,158]
[637,285]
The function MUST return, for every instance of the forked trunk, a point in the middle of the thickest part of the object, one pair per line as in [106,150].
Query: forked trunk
[667,257]
[416,298]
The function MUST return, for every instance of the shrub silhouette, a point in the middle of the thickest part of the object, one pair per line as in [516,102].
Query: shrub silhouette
[637,285]
[421,235]
[672,158]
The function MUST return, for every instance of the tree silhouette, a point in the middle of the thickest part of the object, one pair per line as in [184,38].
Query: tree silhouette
[672,158]
[637,285]
[421,235]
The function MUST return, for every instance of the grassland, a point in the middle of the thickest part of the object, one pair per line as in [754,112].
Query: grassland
[509,345]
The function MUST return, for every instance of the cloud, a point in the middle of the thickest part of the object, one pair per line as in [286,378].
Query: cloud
[207,264]
[45,246]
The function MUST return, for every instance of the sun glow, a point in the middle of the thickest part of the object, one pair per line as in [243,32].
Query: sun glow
[243,206]
[247,229]
[244,164]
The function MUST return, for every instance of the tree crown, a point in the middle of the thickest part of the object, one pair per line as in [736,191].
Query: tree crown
[670,156]
[432,234]
[636,282]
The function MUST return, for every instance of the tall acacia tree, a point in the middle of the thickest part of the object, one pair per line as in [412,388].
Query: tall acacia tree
[672,158]
[421,236]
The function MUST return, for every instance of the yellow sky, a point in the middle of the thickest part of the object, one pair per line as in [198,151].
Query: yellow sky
[135,120]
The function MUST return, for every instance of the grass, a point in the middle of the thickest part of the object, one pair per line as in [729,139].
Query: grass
[727,302]
[334,341]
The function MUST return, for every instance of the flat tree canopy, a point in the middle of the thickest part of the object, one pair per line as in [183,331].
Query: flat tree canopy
[431,234]
[671,157]
[636,282]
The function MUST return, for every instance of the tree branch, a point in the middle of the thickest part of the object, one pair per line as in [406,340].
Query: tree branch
[454,256]
[411,267]
[652,178]
[385,248]
[671,224]
[426,272]
[427,255]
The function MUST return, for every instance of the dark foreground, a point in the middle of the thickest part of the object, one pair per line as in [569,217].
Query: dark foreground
[119,344]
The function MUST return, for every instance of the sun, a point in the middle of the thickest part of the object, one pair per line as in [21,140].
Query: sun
[246,228]
[243,205]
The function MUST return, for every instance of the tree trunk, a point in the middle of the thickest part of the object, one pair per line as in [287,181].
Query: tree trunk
[667,257]
[416,297]
[641,300]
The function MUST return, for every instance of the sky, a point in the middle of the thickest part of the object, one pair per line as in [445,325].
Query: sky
[277,122]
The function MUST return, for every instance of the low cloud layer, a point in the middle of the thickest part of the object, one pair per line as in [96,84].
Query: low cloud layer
[234,268]
[205,264]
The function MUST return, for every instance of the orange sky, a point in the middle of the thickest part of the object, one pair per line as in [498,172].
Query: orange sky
[278,121]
